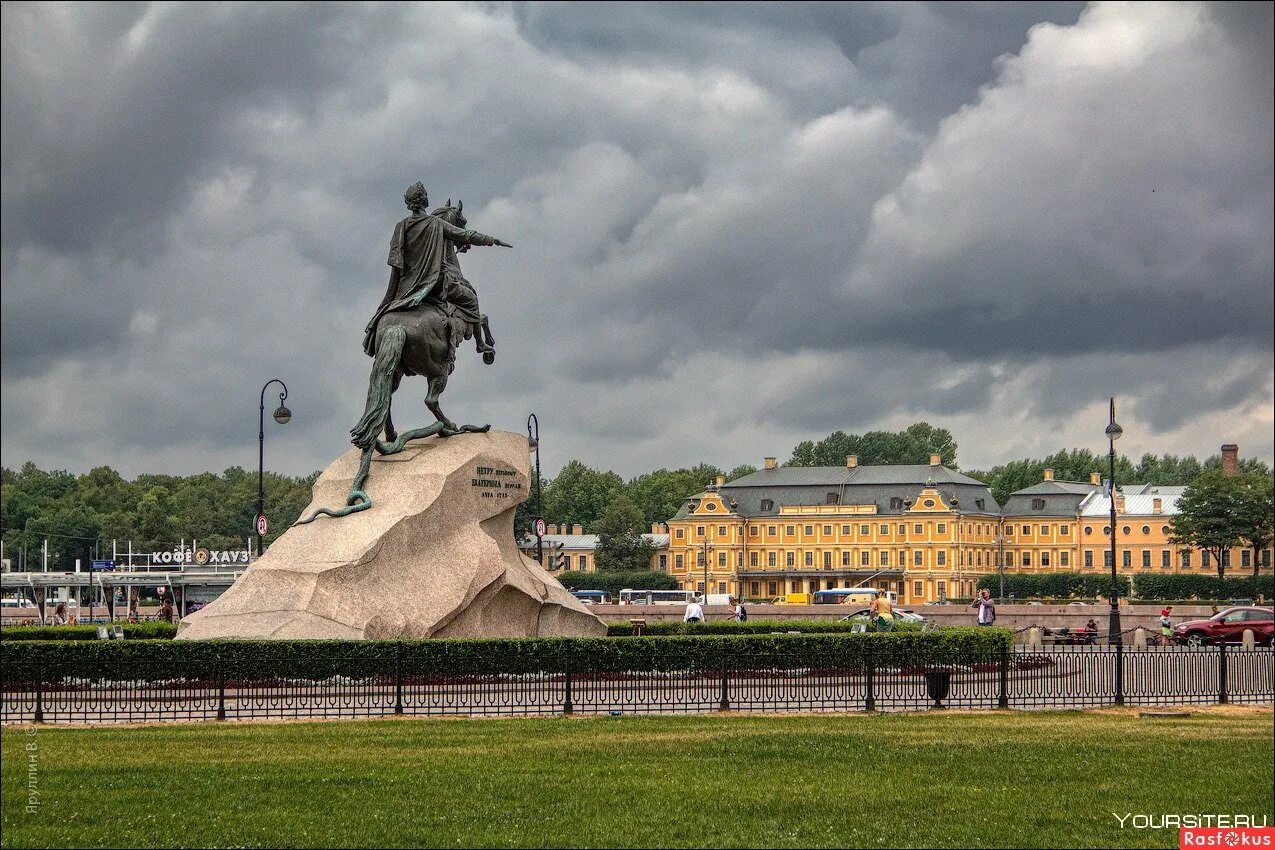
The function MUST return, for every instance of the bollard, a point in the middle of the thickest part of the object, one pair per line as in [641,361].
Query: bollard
[1002,694]
[1250,639]
[398,678]
[1139,639]
[1222,695]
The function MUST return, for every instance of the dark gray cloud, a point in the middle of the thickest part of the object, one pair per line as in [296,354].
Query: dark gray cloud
[737,226]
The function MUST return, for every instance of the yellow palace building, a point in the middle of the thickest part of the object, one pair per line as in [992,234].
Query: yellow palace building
[925,531]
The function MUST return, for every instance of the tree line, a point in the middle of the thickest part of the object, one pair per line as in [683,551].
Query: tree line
[80,514]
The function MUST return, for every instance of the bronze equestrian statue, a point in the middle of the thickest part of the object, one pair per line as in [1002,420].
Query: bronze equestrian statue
[428,310]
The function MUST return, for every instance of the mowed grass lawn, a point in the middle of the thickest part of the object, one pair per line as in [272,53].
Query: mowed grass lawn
[1022,779]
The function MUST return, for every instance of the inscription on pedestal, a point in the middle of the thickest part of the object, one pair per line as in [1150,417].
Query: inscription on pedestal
[494,482]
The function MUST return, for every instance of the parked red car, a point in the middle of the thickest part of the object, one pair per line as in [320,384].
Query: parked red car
[1228,627]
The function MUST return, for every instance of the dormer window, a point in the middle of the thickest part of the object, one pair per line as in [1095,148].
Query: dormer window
[834,498]
[1038,504]
[896,504]
[980,503]
[767,504]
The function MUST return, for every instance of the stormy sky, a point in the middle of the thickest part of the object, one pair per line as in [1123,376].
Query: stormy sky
[735,226]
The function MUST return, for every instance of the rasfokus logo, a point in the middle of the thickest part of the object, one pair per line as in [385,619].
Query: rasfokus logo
[1207,830]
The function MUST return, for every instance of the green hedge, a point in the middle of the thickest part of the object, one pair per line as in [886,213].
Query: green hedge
[1210,588]
[1058,585]
[734,627]
[613,581]
[153,660]
[133,631]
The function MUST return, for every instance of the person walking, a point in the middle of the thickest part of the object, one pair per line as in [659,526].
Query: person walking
[986,608]
[694,612]
[741,613]
[166,612]
[1166,625]
[59,614]
[881,612]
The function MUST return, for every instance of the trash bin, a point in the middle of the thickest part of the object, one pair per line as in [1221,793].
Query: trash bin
[938,683]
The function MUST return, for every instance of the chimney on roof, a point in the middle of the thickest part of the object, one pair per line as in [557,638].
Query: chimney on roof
[1119,501]
[551,528]
[576,529]
[1157,506]
[770,462]
[657,528]
[1095,478]
[721,481]
[1230,459]
[852,461]
[936,460]
[1049,475]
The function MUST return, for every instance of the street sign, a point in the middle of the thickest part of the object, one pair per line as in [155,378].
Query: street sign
[262,525]
[101,565]
[540,527]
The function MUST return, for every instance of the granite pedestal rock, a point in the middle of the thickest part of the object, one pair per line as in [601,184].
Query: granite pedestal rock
[434,557]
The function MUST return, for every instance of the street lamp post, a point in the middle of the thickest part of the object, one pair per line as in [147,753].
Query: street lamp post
[1114,431]
[1000,563]
[533,442]
[281,415]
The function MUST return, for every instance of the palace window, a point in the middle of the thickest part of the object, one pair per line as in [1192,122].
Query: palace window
[700,530]
[827,529]
[679,534]
[1027,530]
[885,529]
[771,559]
[827,560]
[1244,559]
[664,562]
[1126,559]
[1125,530]
[903,529]
[865,530]
[772,530]
[1146,529]
[790,559]
[583,562]
[677,561]
[790,530]
[752,562]
[896,503]
[1044,531]
[1088,530]
[810,559]
[1038,504]
[834,499]
[721,559]
[918,589]
[1185,557]
[699,559]
[753,588]
[942,590]
[1044,559]
[845,559]
[1064,530]
[981,504]
[917,558]
[772,587]
[810,530]
[1226,557]
[1164,529]
[1064,559]
[1166,560]
[1088,559]
[752,532]
[1106,558]
[863,558]
[767,505]
[1027,559]
[942,528]
[845,529]
[942,558]
[885,559]
[1205,558]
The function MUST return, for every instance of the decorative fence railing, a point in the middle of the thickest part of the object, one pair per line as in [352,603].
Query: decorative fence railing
[1064,677]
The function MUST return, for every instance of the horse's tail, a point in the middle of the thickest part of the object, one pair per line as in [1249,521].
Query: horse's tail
[389,351]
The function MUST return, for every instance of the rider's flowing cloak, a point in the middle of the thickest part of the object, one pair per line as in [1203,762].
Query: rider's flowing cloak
[418,253]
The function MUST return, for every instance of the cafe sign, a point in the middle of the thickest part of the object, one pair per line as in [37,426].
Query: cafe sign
[200,556]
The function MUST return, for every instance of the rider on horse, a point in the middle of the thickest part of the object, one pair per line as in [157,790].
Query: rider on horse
[419,259]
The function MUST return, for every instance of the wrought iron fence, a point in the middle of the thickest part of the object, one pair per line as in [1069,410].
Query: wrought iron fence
[1060,677]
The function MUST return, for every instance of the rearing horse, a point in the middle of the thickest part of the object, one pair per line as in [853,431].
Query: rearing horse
[417,341]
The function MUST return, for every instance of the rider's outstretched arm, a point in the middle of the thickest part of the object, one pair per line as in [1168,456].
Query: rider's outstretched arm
[469,237]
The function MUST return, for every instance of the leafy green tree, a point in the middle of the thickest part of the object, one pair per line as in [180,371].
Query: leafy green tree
[579,494]
[912,445]
[659,494]
[621,546]
[740,471]
[1210,515]
[1257,514]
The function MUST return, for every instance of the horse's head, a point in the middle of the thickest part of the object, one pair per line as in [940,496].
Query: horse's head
[452,214]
